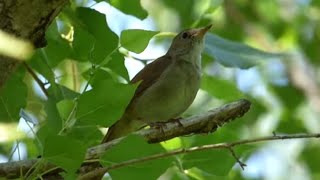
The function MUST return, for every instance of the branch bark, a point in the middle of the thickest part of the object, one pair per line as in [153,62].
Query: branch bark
[204,123]
[26,19]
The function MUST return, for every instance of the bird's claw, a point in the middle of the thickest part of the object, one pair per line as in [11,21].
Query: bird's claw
[177,120]
[158,125]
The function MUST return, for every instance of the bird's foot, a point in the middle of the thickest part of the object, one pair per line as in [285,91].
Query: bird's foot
[158,125]
[177,120]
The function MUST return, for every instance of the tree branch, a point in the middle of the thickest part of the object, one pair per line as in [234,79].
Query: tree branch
[35,77]
[199,124]
[228,146]
[204,123]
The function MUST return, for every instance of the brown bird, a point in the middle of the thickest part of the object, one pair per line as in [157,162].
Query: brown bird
[167,86]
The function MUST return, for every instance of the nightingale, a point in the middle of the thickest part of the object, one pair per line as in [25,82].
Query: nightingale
[167,86]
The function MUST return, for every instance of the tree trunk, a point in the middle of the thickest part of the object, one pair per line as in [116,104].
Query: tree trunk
[26,19]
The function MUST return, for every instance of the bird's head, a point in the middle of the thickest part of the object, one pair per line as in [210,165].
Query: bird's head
[190,41]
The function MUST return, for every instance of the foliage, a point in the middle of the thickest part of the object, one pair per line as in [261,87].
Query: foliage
[266,51]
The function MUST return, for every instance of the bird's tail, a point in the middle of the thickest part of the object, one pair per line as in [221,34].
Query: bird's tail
[119,129]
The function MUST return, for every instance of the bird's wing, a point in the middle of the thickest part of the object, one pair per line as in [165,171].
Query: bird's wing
[147,76]
[150,74]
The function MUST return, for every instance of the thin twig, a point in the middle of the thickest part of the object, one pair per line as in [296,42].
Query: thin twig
[35,77]
[242,165]
[228,146]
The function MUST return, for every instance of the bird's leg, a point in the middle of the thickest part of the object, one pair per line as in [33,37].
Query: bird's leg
[161,124]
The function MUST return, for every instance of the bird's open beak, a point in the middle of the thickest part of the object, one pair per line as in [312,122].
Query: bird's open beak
[202,31]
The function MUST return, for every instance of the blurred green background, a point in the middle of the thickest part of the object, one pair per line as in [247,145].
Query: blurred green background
[266,51]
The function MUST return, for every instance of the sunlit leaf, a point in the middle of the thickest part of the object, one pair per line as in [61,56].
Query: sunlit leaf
[105,103]
[116,64]
[12,46]
[136,40]
[65,107]
[219,88]
[132,7]
[105,40]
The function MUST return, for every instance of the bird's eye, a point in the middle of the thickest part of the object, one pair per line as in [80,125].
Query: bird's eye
[184,35]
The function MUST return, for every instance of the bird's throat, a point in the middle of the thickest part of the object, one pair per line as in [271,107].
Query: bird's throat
[193,58]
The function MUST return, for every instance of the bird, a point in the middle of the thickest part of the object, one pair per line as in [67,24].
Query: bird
[167,86]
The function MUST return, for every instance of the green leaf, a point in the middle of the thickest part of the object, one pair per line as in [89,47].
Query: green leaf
[50,51]
[174,173]
[185,10]
[311,156]
[62,92]
[50,56]
[39,63]
[117,65]
[131,148]
[216,161]
[54,119]
[233,54]
[290,123]
[289,95]
[105,103]
[114,69]
[105,40]
[13,96]
[197,173]
[136,40]
[132,7]
[220,88]
[45,59]
[64,108]
[99,75]
[64,151]
[83,44]
[89,135]
[42,134]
